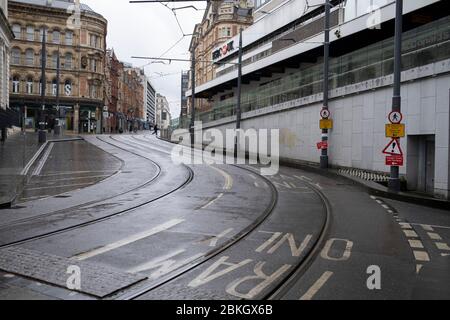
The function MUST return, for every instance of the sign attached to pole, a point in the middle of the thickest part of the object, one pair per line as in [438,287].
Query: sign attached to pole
[322,145]
[393,148]
[326,124]
[396,161]
[325,113]
[395,117]
[395,130]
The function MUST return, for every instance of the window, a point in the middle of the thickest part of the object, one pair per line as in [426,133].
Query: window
[30,33]
[69,38]
[94,41]
[93,65]
[56,37]
[16,85]
[93,91]
[17,29]
[29,57]
[15,56]
[30,86]
[68,61]
[55,60]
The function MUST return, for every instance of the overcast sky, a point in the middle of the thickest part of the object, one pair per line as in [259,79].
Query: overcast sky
[150,29]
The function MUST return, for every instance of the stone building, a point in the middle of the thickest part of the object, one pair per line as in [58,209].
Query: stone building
[163,116]
[222,21]
[78,35]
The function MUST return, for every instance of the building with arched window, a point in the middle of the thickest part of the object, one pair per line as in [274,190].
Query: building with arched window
[81,50]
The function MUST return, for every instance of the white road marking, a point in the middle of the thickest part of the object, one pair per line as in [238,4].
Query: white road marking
[345,255]
[390,211]
[8,275]
[434,236]
[309,295]
[63,186]
[445,254]
[427,227]
[275,236]
[416,244]
[43,160]
[373,198]
[385,206]
[32,160]
[212,201]
[410,234]
[128,240]
[405,225]
[421,256]
[418,268]
[213,242]
[70,179]
[256,184]
[442,246]
[379,201]
[303,178]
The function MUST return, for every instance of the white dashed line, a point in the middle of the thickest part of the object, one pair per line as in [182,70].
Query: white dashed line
[416,244]
[434,236]
[405,225]
[427,227]
[421,256]
[317,286]
[220,195]
[442,246]
[410,234]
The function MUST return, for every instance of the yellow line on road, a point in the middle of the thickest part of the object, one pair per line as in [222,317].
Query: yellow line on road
[228,179]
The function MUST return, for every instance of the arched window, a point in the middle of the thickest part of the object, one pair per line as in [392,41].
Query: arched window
[29,57]
[17,29]
[68,87]
[68,61]
[30,33]
[56,36]
[54,86]
[16,84]
[29,85]
[15,56]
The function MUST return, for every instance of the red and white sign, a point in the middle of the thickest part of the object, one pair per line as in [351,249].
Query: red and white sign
[395,117]
[396,161]
[322,145]
[393,148]
[325,113]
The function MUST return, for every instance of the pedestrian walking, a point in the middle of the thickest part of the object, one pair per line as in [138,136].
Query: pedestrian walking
[155,129]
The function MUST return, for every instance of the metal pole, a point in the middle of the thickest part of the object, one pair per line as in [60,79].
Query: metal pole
[42,133]
[58,125]
[326,71]
[191,127]
[239,92]
[394,180]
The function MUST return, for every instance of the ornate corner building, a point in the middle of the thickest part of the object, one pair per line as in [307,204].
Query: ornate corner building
[78,35]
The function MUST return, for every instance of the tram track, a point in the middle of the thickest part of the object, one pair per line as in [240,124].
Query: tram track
[98,220]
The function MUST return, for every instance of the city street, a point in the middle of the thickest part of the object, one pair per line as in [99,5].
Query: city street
[118,211]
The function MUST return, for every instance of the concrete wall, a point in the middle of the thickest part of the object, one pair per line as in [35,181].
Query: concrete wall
[358,136]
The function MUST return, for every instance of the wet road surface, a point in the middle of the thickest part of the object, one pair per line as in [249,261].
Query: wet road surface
[163,230]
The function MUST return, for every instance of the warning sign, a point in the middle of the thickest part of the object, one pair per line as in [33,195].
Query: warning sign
[322,145]
[393,148]
[395,130]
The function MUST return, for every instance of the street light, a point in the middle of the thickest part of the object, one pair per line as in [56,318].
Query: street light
[42,135]
[326,71]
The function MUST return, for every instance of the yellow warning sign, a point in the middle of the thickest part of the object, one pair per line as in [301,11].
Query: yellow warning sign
[395,131]
[326,124]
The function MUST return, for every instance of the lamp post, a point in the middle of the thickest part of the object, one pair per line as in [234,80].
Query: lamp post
[192,122]
[58,127]
[394,180]
[239,93]
[42,134]
[326,71]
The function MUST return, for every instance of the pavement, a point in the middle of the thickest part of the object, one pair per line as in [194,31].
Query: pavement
[157,229]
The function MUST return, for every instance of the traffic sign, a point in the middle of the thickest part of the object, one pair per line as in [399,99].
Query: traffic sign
[326,124]
[322,145]
[395,117]
[393,148]
[395,130]
[396,161]
[325,113]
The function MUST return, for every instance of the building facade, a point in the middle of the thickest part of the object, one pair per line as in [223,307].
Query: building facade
[283,86]
[150,102]
[184,100]
[78,35]
[163,116]
[222,21]
[6,37]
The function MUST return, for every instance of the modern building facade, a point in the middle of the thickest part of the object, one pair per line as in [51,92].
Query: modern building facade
[6,37]
[184,101]
[150,102]
[78,35]
[222,21]
[283,85]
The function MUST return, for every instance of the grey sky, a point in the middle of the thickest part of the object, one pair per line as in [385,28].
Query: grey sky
[149,30]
